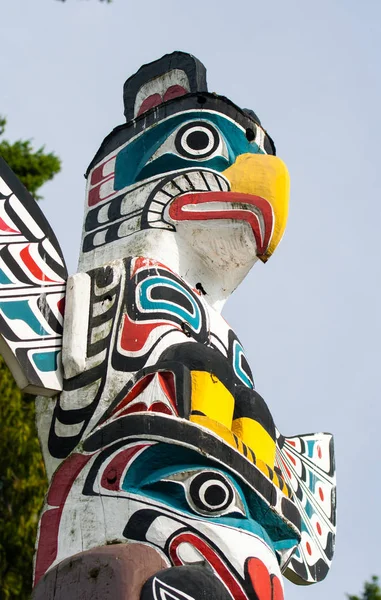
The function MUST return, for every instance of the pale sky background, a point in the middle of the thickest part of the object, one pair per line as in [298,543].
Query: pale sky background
[309,319]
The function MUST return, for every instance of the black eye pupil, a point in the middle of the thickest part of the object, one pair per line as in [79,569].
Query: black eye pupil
[215,495]
[210,492]
[198,140]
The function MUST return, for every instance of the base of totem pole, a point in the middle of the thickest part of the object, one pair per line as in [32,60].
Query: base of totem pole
[116,572]
[127,572]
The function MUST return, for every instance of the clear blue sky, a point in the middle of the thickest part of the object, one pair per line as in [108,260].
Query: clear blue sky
[309,319]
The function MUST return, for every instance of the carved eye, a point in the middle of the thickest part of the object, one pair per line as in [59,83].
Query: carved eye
[206,492]
[197,140]
[211,492]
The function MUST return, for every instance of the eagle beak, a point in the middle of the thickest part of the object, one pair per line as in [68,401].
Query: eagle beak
[266,177]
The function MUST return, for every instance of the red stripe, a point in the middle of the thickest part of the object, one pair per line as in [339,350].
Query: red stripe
[5,227]
[213,559]
[94,193]
[260,579]
[144,263]
[112,474]
[97,175]
[174,91]
[167,384]
[166,381]
[292,459]
[277,588]
[150,102]
[50,521]
[262,238]
[61,306]
[286,468]
[134,334]
[33,266]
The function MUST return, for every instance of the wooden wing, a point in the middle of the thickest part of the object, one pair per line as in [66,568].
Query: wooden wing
[32,290]
[307,464]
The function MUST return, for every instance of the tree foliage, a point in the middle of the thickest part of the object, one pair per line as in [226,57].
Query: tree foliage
[371,591]
[22,475]
[32,167]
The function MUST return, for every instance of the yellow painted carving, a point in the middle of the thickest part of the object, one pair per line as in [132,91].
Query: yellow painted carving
[228,436]
[265,176]
[212,398]
[256,437]
[223,432]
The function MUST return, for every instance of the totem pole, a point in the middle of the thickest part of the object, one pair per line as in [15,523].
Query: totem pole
[168,476]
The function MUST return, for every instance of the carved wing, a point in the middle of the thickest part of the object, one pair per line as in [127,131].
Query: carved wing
[307,464]
[32,290]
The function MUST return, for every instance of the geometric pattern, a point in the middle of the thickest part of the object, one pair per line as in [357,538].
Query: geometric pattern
[32,290]
[307,465]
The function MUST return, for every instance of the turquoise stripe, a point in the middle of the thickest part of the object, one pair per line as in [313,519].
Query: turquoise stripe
[4,279]
[310,447]
[134,162]
[46,361]
[20,310]
[237,354]
[156,305]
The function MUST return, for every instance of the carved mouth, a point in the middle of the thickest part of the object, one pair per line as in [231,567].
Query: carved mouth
[201,195]
[205,206]
[203,550]
[187,547]
[195,180]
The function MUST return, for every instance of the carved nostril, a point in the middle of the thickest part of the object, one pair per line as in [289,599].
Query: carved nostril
[250,134]
[200,288]
[111,476]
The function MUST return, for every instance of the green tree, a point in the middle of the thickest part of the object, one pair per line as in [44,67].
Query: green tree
[32,167]
[371,591]
[22,475]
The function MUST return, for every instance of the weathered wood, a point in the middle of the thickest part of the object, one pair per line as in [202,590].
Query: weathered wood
[158,444]
[115,572]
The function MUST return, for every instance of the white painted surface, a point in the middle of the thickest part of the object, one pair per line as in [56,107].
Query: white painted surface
[76,324]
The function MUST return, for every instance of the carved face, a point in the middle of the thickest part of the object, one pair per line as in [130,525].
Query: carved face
[191,509]
[198,174]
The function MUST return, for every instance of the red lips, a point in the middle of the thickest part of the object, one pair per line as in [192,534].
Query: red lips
[260,216]
[266,586]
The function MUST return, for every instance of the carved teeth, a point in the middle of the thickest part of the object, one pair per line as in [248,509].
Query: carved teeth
[161,198]
[198,181]
[211,181]
[189,181]
[156,206]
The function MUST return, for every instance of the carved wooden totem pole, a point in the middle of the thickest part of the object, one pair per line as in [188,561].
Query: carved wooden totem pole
[168,476]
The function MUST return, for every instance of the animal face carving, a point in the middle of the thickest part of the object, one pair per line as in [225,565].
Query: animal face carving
[191,509]
[195,167]
[156,440]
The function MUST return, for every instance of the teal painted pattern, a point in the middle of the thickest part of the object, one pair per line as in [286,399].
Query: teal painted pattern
[237,354]
[148,476]
[153,305]
[132,163]
[4,279]
[46,361]
[310,447]
[21,310]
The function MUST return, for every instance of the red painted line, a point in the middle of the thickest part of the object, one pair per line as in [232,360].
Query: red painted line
[178,212]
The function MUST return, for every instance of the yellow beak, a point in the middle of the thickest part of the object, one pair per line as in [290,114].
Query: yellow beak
[265,176]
